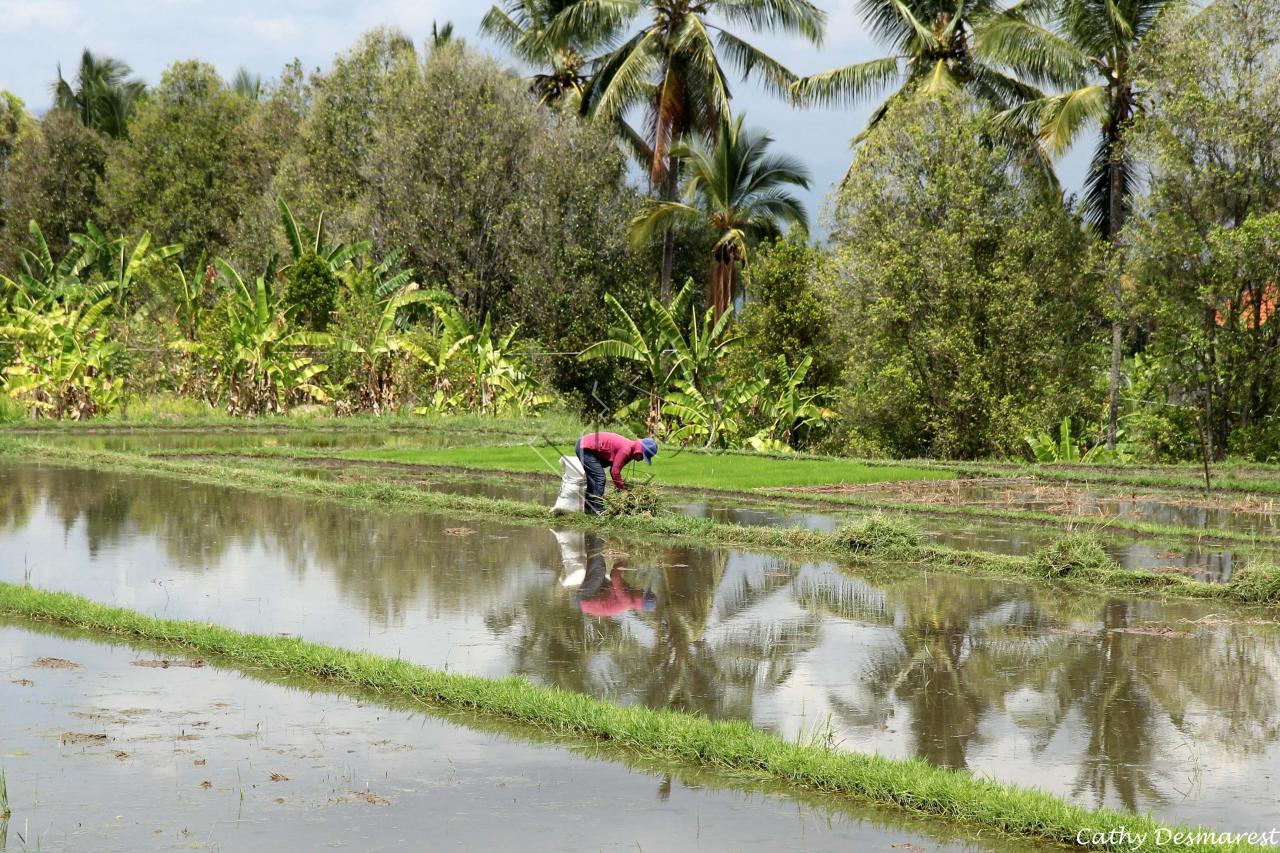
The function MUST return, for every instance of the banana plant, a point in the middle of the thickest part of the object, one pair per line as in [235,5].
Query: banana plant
[62,358]
[715,421]
[263,366]
[383,342]
[501,377]
[788,405]
[451,338]
[307,242]
[42,282]
[647,341]
[114,260]
[1066,449]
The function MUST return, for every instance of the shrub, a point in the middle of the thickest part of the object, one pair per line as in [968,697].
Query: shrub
[1077,554]
[638,500]
[882,534]
[313,290]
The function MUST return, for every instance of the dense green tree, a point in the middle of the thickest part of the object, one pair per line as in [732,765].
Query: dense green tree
[193,160]
[101,95]
[787,310]
[740,192]
[966,317]
[1090,46]
[52,178]
[13,119]
[518,211]
[1203,245]
[14,123]
[671,69]
[324,171]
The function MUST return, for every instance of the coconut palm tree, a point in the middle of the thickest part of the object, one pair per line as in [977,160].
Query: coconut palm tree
[1088,46]
[932,50]
[441,34]
[561,56]
[247,85]
[671,68]
[740,191]
[102,97]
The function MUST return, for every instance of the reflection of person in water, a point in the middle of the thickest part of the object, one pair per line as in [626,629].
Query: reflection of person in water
[596,598]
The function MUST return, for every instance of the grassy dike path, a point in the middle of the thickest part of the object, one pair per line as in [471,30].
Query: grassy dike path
[735,748]
[1074,562]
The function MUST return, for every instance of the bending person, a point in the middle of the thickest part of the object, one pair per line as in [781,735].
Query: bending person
[600,450]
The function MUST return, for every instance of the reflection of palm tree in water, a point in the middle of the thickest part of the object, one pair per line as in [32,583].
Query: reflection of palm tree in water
[945,673]
[1123,688]
[683,662]
[968,645]
[697,663]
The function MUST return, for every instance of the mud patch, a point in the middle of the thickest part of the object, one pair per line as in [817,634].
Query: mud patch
[55,663]
[1161,631]
[81,738]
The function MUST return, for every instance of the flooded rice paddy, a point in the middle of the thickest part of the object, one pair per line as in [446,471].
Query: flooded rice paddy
[106,749]
[1197,559]
[1167,707]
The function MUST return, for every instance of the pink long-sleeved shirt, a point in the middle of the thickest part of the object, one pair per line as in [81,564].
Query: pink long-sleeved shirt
[617,449]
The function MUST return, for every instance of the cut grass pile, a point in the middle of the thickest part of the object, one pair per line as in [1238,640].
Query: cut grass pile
[697,470]
[731,747]
[1257,582]
[1076,555]
[638,500]
[892,536]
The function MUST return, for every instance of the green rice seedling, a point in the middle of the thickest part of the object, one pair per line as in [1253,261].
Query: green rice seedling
[4,797]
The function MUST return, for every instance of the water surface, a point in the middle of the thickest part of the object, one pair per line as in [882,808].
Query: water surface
[1169,707]
[102,754]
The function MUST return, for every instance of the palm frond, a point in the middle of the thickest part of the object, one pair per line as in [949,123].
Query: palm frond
[848,85]
[773,75]
[789,16]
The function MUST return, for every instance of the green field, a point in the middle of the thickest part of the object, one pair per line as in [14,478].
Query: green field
[697,470]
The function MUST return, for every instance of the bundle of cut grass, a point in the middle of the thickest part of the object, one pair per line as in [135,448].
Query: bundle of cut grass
[638,500]
[1258,583]
[1077,554]
[881,534]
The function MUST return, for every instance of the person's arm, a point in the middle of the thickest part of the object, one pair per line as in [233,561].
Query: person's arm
[615,471]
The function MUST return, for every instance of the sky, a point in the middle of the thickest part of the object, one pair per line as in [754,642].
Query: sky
[37,35]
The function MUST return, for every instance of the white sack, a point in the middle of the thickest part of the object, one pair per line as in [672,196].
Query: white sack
[573,485]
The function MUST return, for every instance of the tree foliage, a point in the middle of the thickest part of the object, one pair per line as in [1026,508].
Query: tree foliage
[1203,246]
[193,161]
[966,317]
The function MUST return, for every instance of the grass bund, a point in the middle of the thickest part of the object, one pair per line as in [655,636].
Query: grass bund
[732,471]
[730,747]
[767,478]
[888,537]
[775,498]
